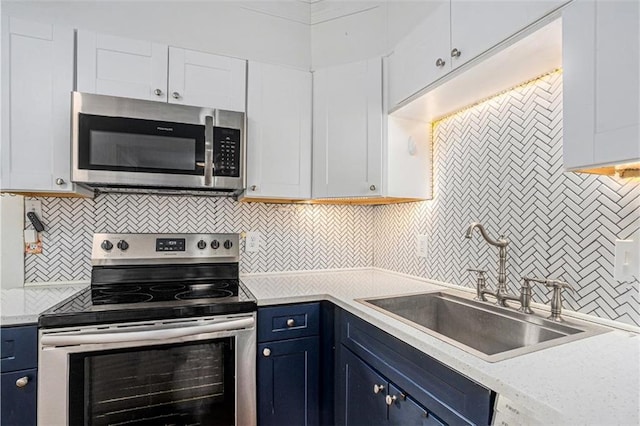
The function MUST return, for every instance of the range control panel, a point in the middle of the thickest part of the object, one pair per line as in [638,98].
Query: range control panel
[127,249]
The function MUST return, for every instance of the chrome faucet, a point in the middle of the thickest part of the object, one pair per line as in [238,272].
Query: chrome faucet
[502,293]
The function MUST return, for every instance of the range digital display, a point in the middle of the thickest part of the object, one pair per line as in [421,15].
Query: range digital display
[170,244]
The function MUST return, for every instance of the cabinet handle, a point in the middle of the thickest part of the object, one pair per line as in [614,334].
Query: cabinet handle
[440,63]
[175,95]
[291,322]
[60,181]
[378,388]
[372,188]
[157,92]
[455,53]
[266,352]
[254,187]
[390,399]
[22,382]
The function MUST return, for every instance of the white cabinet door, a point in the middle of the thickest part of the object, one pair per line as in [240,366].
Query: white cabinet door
[347,130]
[478,25]
[422,57]
[278,132]
[601,83]
[206,80]
[37,80]
[117,66]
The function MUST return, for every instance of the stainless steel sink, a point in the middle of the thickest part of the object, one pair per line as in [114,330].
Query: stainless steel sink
[490,332]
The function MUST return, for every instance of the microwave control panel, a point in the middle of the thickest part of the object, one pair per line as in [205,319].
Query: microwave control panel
[226,152]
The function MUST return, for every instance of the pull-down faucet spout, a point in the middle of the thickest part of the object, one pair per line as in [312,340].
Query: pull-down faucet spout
[501,243]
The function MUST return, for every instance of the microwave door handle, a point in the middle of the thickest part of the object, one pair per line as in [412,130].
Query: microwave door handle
[137,336]
[208,150]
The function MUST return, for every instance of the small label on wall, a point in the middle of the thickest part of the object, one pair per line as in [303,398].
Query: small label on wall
[33,248]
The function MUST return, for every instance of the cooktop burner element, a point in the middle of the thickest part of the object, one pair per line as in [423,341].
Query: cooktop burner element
[157,276]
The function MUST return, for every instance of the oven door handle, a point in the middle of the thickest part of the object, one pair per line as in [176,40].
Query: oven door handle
[136,336]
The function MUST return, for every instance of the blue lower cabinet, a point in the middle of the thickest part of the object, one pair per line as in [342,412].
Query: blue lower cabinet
[359,403]
[288,382]
[405,411]
[18,367]
[19,394]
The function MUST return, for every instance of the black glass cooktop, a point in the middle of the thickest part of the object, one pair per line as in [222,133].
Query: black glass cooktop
[126,302]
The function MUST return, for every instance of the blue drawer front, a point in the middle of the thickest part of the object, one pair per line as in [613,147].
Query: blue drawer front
[19,348]
[288,322]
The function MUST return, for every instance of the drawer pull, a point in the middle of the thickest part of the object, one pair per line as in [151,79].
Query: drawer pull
[378,388]
[266,352]
[22,382]
[291,322]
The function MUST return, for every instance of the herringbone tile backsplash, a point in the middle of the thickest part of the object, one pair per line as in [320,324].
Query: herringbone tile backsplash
[294,237]
[499,163]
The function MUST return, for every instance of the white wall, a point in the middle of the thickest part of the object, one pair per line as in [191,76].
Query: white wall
[345,31]
[274,32]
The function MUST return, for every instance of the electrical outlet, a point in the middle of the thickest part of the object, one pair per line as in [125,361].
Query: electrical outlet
[32,206]
[252,242]
[422,245]
[626,265]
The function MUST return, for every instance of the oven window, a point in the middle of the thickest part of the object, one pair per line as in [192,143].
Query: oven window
[185,384]
[136,145]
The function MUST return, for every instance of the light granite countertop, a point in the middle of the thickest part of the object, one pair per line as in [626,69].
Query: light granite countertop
[595,380]
[23,305]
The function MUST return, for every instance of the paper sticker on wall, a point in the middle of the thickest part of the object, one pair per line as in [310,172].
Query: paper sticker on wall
[32,242]
[33,248]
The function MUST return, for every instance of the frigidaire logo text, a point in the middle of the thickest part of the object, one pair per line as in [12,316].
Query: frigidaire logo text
[166,129]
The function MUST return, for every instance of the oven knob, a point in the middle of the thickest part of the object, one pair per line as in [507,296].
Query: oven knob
[202,244]
[228,244]
[215,244]
[106,245]
[123,245]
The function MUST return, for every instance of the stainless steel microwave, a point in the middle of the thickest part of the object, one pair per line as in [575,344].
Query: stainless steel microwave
[129,145]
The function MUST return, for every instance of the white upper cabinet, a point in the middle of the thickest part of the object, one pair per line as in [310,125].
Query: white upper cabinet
[37,80]
[422,56]
[203,79]
[454,33]
[601,83]
[347,130]
[118,66]
[477,26]
[278,132]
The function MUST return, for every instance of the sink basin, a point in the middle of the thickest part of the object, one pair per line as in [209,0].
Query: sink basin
[490,332]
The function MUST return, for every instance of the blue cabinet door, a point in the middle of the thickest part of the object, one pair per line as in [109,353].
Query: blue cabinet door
[19,398]
[360,404]
[404,411]
[288,382]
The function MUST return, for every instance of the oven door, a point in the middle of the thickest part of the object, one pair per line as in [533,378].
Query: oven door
[178,372]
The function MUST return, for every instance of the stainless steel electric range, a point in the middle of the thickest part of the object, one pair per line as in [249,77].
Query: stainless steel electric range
[164,335]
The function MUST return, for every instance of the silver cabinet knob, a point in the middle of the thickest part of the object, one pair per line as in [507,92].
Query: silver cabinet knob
[389,399]
[254,187]
[291,322]
[175,95]
[60,181]
[157,92]
[440,63]
[455,53]
[378,388]
[266,352]
[22,382]
[372,188]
